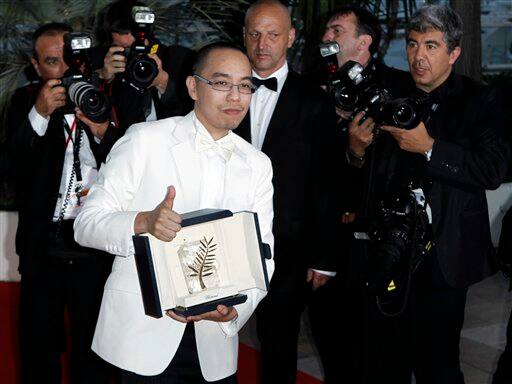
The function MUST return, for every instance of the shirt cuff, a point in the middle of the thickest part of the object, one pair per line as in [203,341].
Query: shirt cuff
[229,328]
[428,154]
[326,273]
[38,122]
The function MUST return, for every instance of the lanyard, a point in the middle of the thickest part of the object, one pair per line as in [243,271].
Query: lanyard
[69,131]
[76,145]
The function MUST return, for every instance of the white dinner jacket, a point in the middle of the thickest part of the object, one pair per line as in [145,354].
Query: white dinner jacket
[140,167]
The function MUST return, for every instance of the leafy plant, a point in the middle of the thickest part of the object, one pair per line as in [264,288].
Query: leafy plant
[186,22]
[204,262]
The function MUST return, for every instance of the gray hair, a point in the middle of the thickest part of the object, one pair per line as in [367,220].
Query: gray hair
[440,18]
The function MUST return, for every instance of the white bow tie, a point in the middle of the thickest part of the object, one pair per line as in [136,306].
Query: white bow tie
[223,148]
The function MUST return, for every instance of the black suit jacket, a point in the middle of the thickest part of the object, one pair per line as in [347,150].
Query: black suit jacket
[303,145]
[468,157]
[37,163]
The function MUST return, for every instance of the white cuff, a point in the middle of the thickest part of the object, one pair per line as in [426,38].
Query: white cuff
[428,154]
[327,273]
[229,328]
[38,122]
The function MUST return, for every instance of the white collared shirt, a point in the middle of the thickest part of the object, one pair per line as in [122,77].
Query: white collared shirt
[263,103]
[213,170]
[88,165]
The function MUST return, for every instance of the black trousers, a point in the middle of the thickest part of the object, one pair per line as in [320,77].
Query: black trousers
[424,340]
[338,337]
[184,368]
[503,374]
[44,294]
[339,328]
[278,323]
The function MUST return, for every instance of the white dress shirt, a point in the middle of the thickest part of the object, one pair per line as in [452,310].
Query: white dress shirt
[134,178]
[213,165]
[263,103]
[88,165]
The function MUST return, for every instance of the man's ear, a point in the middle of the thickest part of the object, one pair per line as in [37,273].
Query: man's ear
[291,37]
[454,55]
[35,64]
[364,42]
[243,36]
[191,86]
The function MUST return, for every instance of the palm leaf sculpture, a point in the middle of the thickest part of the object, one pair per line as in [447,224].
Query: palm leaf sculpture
[204,262]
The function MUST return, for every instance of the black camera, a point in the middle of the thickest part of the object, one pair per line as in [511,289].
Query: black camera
[400,237]
[93,103]
[353,89]
[141,69]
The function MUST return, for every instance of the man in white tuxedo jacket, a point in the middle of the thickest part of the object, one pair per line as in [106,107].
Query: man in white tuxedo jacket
[157,169]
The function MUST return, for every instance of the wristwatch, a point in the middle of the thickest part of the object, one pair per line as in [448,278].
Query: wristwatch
[428,154]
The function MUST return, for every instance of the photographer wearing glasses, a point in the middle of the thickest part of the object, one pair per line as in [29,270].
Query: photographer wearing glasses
[56,162]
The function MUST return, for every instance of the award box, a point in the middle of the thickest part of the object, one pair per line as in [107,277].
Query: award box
[213,259]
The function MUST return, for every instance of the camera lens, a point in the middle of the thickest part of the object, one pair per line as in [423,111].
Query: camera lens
[142,70]
[345,98]
[405,115]
[92,102]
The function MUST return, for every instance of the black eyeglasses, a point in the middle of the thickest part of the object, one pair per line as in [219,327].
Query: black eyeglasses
[226,86]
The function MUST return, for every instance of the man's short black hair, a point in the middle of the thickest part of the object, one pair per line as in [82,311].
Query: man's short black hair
[204,52]
[50,29]
[366,23]
[115,17]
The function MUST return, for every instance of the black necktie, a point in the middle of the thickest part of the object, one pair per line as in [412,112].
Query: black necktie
[270,83]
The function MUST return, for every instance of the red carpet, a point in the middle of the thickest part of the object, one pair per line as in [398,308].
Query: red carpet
[9,354]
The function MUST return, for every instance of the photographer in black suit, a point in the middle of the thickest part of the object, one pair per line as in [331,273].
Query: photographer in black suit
[293,123]
[166,96]
[453,155]
[357,33]
[56,159]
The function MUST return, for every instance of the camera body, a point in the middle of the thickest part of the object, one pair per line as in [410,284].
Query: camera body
[141,70]
[93,103]
[400,238]
[354,89]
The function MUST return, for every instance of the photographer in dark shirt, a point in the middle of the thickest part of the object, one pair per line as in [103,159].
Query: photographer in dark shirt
[165,96]
[357,33]
[55,160]
[454,155]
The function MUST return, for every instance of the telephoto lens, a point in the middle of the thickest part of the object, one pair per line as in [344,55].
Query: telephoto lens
[93,103]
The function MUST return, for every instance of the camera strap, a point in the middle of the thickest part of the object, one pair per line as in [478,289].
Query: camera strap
[77,141]
[76,172]
[69,131]
[107,88]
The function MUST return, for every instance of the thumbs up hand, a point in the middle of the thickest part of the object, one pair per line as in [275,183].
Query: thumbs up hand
[162,222]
